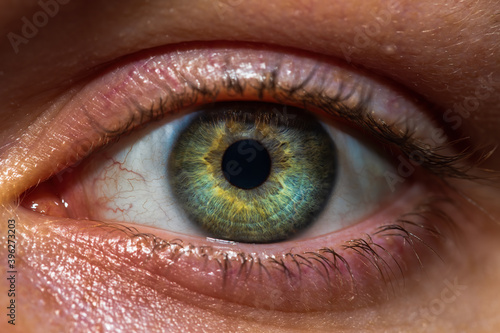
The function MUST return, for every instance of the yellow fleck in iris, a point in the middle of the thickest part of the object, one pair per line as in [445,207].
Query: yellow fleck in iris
[244,172]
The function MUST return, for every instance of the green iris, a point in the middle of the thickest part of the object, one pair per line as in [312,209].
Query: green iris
[244,172]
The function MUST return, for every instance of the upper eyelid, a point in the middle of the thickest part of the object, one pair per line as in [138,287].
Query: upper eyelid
[96,114]
[230,79]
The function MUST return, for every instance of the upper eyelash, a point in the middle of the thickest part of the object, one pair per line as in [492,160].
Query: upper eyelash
[456,165]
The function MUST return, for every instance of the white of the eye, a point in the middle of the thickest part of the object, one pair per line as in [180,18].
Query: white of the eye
[133,174]
[141,193]
[360,189]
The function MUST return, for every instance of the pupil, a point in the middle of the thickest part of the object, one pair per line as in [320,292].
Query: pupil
[246,164]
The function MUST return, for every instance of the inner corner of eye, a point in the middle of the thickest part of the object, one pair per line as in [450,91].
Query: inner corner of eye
[250,172]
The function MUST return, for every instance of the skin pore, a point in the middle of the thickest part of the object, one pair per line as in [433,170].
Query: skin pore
[441,51]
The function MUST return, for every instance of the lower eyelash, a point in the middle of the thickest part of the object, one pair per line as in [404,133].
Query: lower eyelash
[425,230]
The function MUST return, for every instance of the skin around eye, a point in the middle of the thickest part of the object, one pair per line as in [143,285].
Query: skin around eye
[352,269]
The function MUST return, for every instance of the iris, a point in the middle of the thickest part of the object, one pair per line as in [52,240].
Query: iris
[250,173]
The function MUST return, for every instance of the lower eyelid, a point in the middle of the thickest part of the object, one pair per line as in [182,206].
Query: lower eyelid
[291,276]
[329,273]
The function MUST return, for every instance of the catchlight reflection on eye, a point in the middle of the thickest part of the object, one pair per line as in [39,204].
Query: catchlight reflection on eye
[192,175]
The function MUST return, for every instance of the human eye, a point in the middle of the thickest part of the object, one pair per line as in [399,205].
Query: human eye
[367,210]
[96,104]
